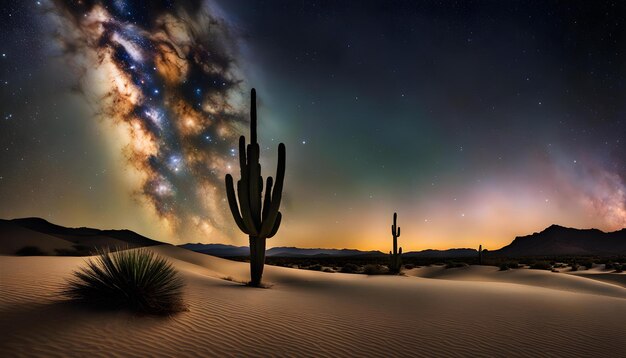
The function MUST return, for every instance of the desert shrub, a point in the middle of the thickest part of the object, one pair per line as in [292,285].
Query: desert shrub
[135,279]
[315,267]
[76,250]
[409,266]
[453,264]
[349,268]
[509,265]
[327,269]
[575,266]
[609,266]
[372,269]
[505,266]
[588,264]
[619,268]
[30,251]
[541,265]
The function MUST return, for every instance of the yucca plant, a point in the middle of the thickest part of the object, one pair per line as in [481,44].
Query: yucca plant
[135,279]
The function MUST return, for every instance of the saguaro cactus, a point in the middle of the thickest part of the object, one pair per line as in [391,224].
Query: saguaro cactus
[395,257]
[256,218]
[480,254]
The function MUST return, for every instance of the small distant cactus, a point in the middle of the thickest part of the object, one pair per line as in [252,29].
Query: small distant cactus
[258,218]
[480,254]
[395,257]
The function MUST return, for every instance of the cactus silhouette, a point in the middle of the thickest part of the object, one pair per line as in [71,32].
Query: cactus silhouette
[480,254]
[395,257]
[257,218]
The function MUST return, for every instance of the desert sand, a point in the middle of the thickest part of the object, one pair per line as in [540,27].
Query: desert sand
[474,311]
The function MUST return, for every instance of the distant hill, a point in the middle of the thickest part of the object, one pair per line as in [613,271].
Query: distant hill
[562,241]
[220,250]
[231,251]
[450,253]
[295,251]
[38,236]
[553,241]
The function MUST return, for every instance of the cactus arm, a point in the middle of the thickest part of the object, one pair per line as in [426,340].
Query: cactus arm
[276,225]
[242,189]
[268,197]
[243,165]
[255,173]
[277,193]
[244,205]
[398,232]
[232,203]
[280,175]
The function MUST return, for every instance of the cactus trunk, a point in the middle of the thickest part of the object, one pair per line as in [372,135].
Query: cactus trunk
[480,254]
[257,260]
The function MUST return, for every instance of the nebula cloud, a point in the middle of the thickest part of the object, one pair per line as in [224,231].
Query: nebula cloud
[164,73]
[602,192]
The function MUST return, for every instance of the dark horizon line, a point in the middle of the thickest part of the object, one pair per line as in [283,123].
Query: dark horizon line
[319,248]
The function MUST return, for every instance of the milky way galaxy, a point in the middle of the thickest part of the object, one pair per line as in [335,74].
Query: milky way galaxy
[165,74]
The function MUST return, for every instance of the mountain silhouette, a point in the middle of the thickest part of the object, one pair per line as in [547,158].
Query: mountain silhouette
[54,239]
[231,251]
[450,253]
[563,241]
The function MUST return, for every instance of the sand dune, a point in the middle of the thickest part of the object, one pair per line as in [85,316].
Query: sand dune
[538,278]
[314,314]
[600,274]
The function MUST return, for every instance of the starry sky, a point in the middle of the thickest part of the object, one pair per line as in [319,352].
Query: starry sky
[476,121]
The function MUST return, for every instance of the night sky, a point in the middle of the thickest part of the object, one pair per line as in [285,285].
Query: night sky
[476,121]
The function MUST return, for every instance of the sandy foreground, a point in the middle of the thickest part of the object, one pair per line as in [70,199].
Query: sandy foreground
[475,311]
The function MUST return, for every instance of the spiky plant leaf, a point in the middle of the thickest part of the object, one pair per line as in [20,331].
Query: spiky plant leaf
[136,279]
